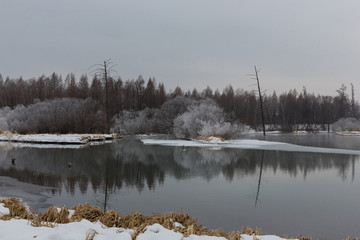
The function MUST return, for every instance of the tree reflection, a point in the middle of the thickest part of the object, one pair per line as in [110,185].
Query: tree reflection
[260,174]
[130,164]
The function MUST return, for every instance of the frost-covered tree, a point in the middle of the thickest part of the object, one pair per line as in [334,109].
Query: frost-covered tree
[151,120]
[83,87]
[205,118]
[54,116]
[137,122]
[346,124]
[342,103]
[171,110]
[3,122]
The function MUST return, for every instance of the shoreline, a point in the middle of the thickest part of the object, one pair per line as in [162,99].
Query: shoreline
[61,139]
[89,222]
[86,138]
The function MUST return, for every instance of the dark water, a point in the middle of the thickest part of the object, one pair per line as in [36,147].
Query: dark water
[313,194]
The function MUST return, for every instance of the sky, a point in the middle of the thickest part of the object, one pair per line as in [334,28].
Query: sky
[188,43]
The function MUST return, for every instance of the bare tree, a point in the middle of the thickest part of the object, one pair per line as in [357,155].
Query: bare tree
[256,77]
[104,71]
[353,106]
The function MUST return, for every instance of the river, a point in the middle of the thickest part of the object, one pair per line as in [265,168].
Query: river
[282,192]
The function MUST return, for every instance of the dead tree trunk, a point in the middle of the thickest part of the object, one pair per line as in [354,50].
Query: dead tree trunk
[105,70]
[260,98]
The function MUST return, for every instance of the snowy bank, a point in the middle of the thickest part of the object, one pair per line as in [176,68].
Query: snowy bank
[19,229]
[88,222]
[246,144]
[57,138]
[348,133]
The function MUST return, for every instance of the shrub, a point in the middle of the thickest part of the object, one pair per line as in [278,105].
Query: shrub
[346,124]
[54,116]
[151,120]
[130,122]
[205,118]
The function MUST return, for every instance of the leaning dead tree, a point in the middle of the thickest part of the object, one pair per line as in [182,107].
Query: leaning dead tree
[256,77]
[104,71]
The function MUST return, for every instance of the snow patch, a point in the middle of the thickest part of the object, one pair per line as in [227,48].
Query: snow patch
[16,229]
[348,133]
[71,212]
[158,232]
[195,237]
[176,224]
[3,210]
[57,138]
[248,144]
[264,237]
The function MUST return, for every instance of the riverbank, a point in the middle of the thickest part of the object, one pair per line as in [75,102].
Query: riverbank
[88,222]
[57,138]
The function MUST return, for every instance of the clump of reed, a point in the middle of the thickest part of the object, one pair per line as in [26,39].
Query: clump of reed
[179,222]
[16,210]
[111,219]
[55,214]
[86,211]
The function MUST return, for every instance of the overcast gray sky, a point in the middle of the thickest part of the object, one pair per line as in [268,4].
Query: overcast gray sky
[190,43]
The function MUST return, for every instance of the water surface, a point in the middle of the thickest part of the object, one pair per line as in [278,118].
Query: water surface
[314,194]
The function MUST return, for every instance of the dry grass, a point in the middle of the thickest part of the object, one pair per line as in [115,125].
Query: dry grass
[348,238]
[8,134]
[111,219]
[91,234]
[136,221]
[303,238]
[56,215]
[16,209]
[86,211]
[84,138]
[250,231]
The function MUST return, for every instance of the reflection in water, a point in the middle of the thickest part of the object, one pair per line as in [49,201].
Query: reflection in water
[217,186]
[111,167]
[260,174]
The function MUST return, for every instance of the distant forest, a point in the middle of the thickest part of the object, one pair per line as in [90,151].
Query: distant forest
[95,105]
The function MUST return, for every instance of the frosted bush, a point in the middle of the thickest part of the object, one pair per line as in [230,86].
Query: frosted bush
[55,116]
[129,122]
[151,120]
[226,130]
[3,115]
[346,124]
[171,110]
[205,119]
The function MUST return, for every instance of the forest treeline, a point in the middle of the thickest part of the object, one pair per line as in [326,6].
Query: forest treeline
[93,101]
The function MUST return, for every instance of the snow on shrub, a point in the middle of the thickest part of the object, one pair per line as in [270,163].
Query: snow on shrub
[3,122]
[54,116]
[151,120]
[346,124]
[171,110]
[131,122]
[205,119]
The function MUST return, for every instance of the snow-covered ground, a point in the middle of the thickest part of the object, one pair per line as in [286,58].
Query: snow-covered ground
[56,138]
[348,133]
[10,145]
[20,229]
[246,144]
[15,229]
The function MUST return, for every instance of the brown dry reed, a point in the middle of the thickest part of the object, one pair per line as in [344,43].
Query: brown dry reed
[91,234]
[136,221]
[16,210]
